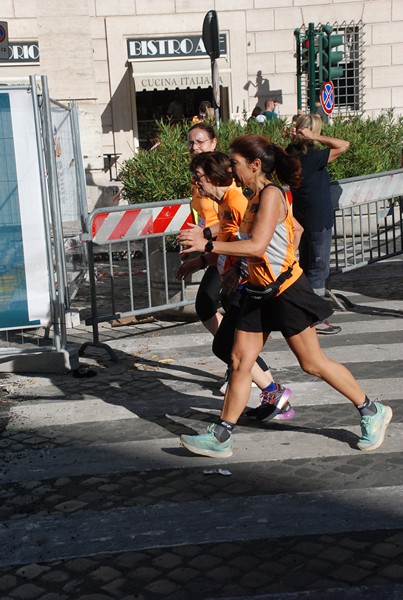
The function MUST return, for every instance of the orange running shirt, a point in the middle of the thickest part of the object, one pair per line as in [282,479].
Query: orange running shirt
[205,207]
[230,211]
[280,253]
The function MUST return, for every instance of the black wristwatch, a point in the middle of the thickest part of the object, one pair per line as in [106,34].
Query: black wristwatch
[207,233]
[209,246]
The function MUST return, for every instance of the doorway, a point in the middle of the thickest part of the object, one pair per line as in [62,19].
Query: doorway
[175,104]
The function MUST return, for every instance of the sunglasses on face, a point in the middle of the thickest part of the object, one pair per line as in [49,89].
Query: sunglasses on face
[196,177]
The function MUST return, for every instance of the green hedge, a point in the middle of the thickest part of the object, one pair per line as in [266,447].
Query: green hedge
[163,173]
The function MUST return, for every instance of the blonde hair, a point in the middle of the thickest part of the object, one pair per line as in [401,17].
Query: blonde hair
[311,121]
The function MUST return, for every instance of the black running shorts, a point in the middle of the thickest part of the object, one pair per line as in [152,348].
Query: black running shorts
[295,309]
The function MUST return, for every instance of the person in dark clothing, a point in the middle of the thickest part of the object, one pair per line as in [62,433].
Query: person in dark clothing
[319,111]
[257,115]
[312,204]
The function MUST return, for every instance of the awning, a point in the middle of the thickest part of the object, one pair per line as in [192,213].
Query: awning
[147,79]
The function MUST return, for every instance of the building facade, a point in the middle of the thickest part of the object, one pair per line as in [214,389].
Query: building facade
[127,62]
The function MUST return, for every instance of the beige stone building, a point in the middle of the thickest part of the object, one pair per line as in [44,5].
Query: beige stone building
[127,62]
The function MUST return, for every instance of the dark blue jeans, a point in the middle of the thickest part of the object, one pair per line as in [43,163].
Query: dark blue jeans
[314,258]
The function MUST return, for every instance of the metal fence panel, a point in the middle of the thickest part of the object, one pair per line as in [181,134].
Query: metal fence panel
[367,219]
[132,270]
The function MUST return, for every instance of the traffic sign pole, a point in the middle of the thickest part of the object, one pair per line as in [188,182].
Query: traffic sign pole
[211,40]
[311,68]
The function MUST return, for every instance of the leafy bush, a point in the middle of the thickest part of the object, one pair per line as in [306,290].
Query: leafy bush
[159,174]
[375,145]
[163,173]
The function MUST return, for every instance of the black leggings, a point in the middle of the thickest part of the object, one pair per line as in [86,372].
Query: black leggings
[208,295]
[224,338]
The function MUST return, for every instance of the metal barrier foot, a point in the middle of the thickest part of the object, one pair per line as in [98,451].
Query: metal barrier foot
[98,345]
[369,310]
[335,299]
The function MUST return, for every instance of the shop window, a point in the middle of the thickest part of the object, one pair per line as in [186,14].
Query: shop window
[155,105]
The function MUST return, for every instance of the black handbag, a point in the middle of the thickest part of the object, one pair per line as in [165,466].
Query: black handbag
[257,292]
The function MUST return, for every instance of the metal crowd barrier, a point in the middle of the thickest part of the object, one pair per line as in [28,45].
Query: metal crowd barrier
[137,245]
[368,222]
[129,239]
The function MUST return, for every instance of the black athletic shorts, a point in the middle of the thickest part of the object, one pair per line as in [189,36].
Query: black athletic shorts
[297,308]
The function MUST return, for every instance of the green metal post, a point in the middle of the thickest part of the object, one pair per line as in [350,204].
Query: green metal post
[311,73]
[297,34]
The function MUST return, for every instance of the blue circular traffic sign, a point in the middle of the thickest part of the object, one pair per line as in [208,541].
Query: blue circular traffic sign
[327,97]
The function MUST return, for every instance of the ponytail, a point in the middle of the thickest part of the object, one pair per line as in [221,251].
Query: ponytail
[273,158]
[287,168]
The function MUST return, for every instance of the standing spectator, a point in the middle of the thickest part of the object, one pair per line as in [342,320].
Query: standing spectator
[312,204]
[269,110]
[276,107]
[257,115]
[175,109]
[206,112]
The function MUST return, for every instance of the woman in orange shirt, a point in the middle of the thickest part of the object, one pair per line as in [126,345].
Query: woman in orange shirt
[282,299]
[202,138]
[212,174]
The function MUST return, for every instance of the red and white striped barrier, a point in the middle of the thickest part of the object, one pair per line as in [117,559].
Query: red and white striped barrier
[136,223]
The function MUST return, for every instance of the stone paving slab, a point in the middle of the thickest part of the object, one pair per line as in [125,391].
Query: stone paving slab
[167,453]
[75,494]
[229,520]
[251,569]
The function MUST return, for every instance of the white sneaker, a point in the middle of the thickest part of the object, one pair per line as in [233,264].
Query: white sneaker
[224,386]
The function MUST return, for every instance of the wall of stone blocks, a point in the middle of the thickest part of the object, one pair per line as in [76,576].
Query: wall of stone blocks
[83,52]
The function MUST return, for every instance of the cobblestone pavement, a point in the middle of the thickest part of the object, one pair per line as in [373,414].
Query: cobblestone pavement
[98,501]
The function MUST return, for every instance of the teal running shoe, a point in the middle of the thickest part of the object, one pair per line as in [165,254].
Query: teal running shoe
[207,444]
[373,428]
